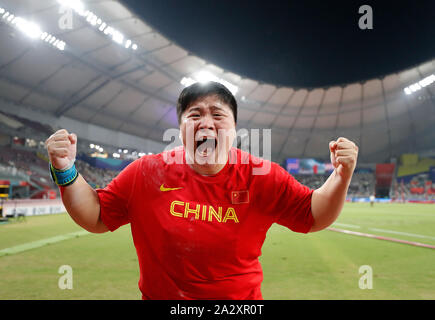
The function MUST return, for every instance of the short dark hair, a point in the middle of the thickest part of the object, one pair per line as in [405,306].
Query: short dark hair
[198,90]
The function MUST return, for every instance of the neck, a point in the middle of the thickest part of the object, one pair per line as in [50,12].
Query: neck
[207,169]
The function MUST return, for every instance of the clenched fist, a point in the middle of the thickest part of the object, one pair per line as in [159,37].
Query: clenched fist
[344,154]
[62,148]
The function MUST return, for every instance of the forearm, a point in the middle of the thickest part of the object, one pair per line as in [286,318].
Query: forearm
[82,204]
[327,201]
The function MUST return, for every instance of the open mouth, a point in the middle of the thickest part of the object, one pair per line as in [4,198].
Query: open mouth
[205,146]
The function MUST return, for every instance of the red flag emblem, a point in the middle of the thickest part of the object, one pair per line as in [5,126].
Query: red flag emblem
[239,197]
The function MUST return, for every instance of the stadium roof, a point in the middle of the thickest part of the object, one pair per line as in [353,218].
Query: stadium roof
[128,79]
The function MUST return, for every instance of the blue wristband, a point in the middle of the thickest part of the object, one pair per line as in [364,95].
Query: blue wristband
[64,178]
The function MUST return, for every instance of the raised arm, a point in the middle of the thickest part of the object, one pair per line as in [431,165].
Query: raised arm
[327,201]
[79,198]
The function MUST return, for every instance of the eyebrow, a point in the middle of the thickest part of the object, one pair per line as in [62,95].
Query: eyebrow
[199,108]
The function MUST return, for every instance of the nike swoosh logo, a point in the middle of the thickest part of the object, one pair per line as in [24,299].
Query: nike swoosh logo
[163,188]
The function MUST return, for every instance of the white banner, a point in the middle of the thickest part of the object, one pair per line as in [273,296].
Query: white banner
[32,207]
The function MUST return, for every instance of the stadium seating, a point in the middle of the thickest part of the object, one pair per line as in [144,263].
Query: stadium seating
[362,184]
[30,166]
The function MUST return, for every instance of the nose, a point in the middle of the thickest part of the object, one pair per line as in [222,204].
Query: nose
[206,122]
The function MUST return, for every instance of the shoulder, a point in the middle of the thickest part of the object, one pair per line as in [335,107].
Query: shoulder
[255,166]
[164,163]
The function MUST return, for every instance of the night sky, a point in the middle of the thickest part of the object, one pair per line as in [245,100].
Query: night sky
[297,43]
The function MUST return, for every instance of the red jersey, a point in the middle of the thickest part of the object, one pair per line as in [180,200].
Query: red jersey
[199,237]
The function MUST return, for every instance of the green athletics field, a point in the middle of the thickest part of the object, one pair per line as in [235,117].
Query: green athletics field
[322,265]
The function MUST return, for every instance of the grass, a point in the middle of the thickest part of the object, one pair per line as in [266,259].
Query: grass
[322,265]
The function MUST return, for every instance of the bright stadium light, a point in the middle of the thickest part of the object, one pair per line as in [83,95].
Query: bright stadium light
[125,151]
[187,81]
[419,85]
[118,37]
[31,29]
[204,77]
[94,21]
[102,26]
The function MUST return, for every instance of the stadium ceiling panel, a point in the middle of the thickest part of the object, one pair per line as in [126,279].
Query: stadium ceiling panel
[116,71]
[283,122]
[313,102]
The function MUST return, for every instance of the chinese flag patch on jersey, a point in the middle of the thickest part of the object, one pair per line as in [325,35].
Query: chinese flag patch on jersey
[238,197]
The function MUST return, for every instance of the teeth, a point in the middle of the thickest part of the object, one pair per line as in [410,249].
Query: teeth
[206,143]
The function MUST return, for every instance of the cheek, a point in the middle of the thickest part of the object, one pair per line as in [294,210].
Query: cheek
[226,136]
[187,129]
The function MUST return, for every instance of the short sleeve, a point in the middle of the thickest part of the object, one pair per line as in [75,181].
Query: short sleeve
[115,197]
[292,203]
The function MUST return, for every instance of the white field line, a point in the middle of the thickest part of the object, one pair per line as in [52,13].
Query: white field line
[40,243]
[385,230]
[403,233]
[347,225]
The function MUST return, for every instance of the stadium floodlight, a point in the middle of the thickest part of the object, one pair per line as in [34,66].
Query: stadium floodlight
[186,81]
[31,29]
[204,77]
[420,85]
[102,26]
[91,146]
[94,20]
[125,151]
[108,30]
[61,45]
[116,155]
[118,37]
